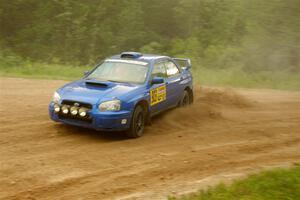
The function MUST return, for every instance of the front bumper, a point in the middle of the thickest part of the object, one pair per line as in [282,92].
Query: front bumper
[106,121]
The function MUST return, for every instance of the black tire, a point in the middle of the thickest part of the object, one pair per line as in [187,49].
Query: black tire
[185,101]
[137,125]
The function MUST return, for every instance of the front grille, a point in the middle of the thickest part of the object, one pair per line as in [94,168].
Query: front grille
[80,104]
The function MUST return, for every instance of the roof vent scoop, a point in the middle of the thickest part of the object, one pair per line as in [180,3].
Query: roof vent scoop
[132,55]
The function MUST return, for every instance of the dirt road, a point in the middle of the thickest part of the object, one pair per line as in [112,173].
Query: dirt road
[225,134]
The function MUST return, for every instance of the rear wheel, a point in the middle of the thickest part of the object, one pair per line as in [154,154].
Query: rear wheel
[137,125]
[185,101]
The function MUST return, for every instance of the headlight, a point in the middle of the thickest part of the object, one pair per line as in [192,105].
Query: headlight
[56,97]
[113,105]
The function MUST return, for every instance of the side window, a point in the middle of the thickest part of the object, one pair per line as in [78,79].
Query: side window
[159,70]
[171,69]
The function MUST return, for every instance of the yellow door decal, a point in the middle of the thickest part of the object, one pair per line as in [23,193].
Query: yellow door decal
[158,95]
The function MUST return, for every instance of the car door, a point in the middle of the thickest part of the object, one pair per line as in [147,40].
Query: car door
[174,88]
[158,91]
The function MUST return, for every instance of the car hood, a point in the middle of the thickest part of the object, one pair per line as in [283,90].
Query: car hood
[93,91]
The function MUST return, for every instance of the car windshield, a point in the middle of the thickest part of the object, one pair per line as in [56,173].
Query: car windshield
[128,71]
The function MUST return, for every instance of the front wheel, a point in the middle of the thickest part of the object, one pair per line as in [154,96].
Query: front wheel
[137,125]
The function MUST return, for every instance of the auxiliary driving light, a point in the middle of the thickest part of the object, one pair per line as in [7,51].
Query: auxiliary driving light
[56,108]
[65,109]
[82,112]
[74,110]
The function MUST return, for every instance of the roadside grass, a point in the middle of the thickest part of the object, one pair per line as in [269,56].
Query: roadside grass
[236,77]
[43,71]
[277,184]
[233,77]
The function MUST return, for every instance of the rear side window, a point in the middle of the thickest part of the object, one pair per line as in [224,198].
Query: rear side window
[172,69]
[159,70]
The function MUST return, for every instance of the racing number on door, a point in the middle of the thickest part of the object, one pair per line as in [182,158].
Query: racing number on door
[158,95]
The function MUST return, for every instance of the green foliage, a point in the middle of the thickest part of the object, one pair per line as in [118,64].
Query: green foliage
[257,40]
[261,34]
[278,184]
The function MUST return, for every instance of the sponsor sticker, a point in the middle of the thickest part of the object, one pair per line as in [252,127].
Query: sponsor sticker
[157,95]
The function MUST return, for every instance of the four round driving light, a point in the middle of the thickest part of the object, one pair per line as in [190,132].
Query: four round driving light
[74,110]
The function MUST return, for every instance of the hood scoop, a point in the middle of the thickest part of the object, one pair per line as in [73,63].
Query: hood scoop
[96,83]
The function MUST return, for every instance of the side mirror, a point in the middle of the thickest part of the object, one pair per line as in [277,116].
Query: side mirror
[157,80]
[85,73]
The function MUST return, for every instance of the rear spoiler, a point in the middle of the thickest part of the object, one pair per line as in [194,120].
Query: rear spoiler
[184,63]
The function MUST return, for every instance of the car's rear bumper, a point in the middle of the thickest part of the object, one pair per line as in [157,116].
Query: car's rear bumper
[106,121]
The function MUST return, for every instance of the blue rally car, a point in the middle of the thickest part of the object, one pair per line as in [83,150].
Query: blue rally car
[123,92]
